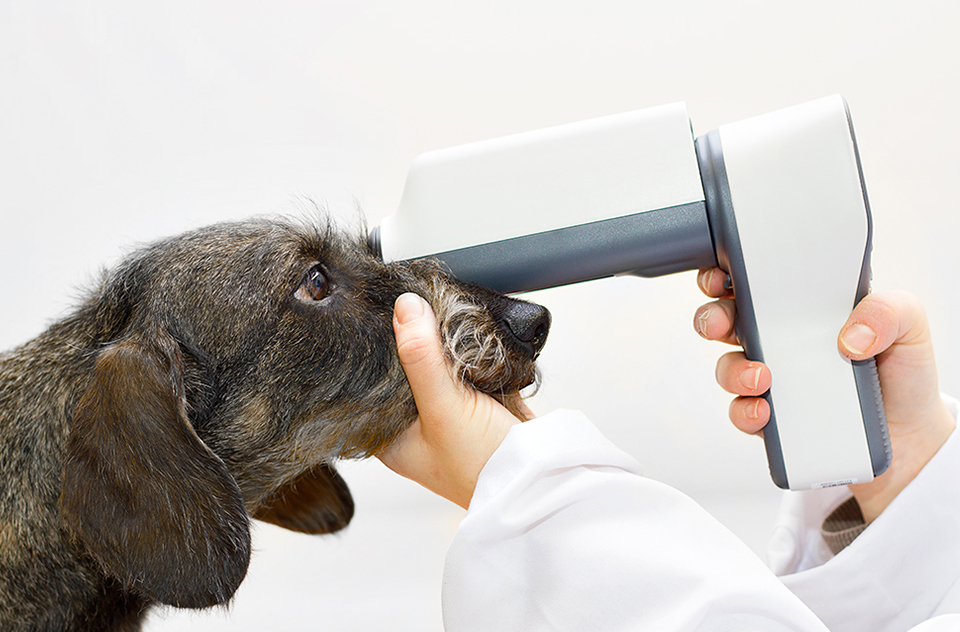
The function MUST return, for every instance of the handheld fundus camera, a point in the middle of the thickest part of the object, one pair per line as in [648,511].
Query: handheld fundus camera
[777,200]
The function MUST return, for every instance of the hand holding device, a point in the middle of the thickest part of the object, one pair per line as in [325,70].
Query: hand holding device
[888,325]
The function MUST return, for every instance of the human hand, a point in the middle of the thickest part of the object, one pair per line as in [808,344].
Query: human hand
[890,326]
[458,429]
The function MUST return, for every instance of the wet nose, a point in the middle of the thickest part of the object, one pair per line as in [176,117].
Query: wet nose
[529,324]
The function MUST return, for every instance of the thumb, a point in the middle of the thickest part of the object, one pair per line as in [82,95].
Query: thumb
[421,354]
[879,321]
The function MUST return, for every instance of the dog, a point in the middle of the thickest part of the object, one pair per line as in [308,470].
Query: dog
[208,379]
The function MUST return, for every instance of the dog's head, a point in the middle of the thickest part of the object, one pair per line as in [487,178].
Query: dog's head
[232,365]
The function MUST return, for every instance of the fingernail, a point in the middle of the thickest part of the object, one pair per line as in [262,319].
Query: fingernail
[409,307]
[751,378]
[702,321]
[705,277]
[858,338]
[752,410]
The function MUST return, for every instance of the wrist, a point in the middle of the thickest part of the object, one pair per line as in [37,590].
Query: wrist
[912,452]
[461,450]
[468,463]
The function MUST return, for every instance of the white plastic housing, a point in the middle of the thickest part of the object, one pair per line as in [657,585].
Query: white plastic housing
[544,180]
[802,221]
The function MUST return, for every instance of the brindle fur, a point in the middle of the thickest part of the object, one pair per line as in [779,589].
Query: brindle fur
[193,389]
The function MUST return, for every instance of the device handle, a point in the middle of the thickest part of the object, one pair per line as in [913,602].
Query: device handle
[801,216]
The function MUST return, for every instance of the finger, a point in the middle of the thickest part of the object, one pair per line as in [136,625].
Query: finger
[421,355]
[716,321]
[749,414]
[880,320]
[714,282]
[739,376]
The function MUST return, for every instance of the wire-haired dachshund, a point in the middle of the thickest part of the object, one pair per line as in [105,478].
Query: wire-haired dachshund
[210,378]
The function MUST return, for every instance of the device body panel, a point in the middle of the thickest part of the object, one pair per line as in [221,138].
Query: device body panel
[570,203]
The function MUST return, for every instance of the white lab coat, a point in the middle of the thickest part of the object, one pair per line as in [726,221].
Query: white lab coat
[563,533]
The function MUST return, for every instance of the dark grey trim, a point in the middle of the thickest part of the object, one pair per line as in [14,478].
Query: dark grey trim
[874,414]
[865,372]
[649,244]
[723,225]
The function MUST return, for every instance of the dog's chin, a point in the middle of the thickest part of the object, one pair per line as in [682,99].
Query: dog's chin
[512,394]
[506,379]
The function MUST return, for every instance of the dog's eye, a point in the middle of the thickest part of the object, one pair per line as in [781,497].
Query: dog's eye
[315,286]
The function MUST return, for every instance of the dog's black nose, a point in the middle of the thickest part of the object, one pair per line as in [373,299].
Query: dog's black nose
[529,324]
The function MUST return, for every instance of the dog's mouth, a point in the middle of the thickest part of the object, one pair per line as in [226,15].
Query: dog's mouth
[494,346]
[492,363]
[506,375]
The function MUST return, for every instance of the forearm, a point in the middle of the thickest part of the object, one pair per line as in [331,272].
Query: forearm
[564,534]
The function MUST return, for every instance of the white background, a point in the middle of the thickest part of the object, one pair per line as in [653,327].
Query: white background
[122,122]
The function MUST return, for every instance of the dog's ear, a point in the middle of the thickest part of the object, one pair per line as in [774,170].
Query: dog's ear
[145,495]
[317,501]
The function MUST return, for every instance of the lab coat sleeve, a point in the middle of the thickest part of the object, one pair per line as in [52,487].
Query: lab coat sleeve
[903,570]
[563,533]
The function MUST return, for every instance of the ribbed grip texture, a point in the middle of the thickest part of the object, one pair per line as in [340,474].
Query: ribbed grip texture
[874,416]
